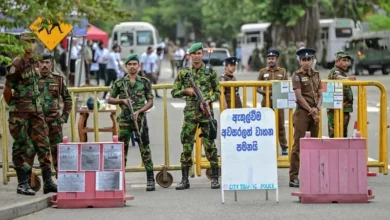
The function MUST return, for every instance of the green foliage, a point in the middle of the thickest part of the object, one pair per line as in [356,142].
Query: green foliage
[23,14]
[379,22]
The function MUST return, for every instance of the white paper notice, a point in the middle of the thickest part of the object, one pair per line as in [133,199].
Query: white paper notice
[291,97]
[112,156]
[284,87]
[338,104]
[281,103]
[338,98]
[338,90]
[68,157]
[71,182]
[109,181]
[90,157]
[292,104]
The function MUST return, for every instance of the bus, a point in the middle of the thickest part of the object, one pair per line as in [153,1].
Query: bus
[334,34]
[250,36]
[134,37]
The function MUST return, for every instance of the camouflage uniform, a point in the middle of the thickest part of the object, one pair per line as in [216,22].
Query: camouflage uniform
[193,118]
[347,104]
[26,120]
[139,91]
[52,87]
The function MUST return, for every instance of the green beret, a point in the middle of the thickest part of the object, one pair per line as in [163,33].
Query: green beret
[343,54]
[195,47]
[131,57]
[46,56]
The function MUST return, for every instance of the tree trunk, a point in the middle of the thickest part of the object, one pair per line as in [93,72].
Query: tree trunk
[306,30]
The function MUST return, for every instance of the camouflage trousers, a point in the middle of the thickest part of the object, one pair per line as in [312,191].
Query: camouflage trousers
[27,128]
[125,135]
[55,137]
[347,118]
[192,121]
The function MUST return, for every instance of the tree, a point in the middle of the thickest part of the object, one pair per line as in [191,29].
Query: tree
[20,14]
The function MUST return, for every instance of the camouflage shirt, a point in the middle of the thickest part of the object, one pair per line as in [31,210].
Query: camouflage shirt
[347,90]
[139,91]
[23,80]
[205,82]
[52,88]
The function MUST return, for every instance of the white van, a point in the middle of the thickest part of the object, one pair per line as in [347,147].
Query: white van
[134,37]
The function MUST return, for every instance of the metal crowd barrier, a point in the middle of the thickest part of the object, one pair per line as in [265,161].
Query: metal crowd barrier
[165,179]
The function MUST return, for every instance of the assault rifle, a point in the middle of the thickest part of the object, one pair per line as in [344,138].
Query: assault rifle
[137,132]
[212,121]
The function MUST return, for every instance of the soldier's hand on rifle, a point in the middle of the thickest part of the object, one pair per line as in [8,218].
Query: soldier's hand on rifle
[189,92]
[351,77]
[135,116]
[205,108]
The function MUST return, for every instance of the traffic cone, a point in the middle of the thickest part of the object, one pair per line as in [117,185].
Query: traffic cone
[354,135]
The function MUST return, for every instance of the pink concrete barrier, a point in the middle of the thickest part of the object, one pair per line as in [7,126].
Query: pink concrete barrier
[333,170]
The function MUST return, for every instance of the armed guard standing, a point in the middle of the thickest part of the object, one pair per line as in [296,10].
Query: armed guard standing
[339,72]
[26,120]
[308,92]
[132,92]
[52,88]
[230,68]
[273,72]
[196,113]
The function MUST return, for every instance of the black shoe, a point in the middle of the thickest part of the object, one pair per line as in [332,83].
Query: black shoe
[150,186]
[48,184]
[294,183]
[284,150]
[185,183]
[23,186]
[214,178]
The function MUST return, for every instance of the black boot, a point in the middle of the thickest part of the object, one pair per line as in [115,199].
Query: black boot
[23,186]
[185,183]
[150,181]
[48,184]
[214,178]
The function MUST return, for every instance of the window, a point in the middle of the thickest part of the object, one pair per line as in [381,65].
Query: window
[217,57]
[343,32]
[145,38]
[127,39]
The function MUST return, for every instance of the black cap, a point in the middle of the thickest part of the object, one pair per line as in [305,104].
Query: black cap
[272,53]
[306,53]
[230,60]
[46,56]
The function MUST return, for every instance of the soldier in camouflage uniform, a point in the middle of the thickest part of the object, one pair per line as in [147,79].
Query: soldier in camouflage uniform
[52,87]
[140,90]
[230,67]
[207,81]
[26,120]
[339,73]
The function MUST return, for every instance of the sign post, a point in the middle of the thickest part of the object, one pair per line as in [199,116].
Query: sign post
[248,150]
[52,35]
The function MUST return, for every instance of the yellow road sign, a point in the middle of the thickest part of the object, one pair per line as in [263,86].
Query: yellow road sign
[52,35]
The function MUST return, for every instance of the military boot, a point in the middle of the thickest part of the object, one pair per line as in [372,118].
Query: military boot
[23,186]
[48,184]
[185,183]
[214,178]
[150,181]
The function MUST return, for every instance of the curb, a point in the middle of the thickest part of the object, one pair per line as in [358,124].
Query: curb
[24,208]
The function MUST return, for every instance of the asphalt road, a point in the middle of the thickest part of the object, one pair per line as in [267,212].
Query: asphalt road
[201,201]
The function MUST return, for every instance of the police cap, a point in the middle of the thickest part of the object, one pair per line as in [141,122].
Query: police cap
[272,53]
[230,60]
[306,53]
[46,56]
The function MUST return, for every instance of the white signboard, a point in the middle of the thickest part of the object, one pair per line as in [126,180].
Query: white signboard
[248,150]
